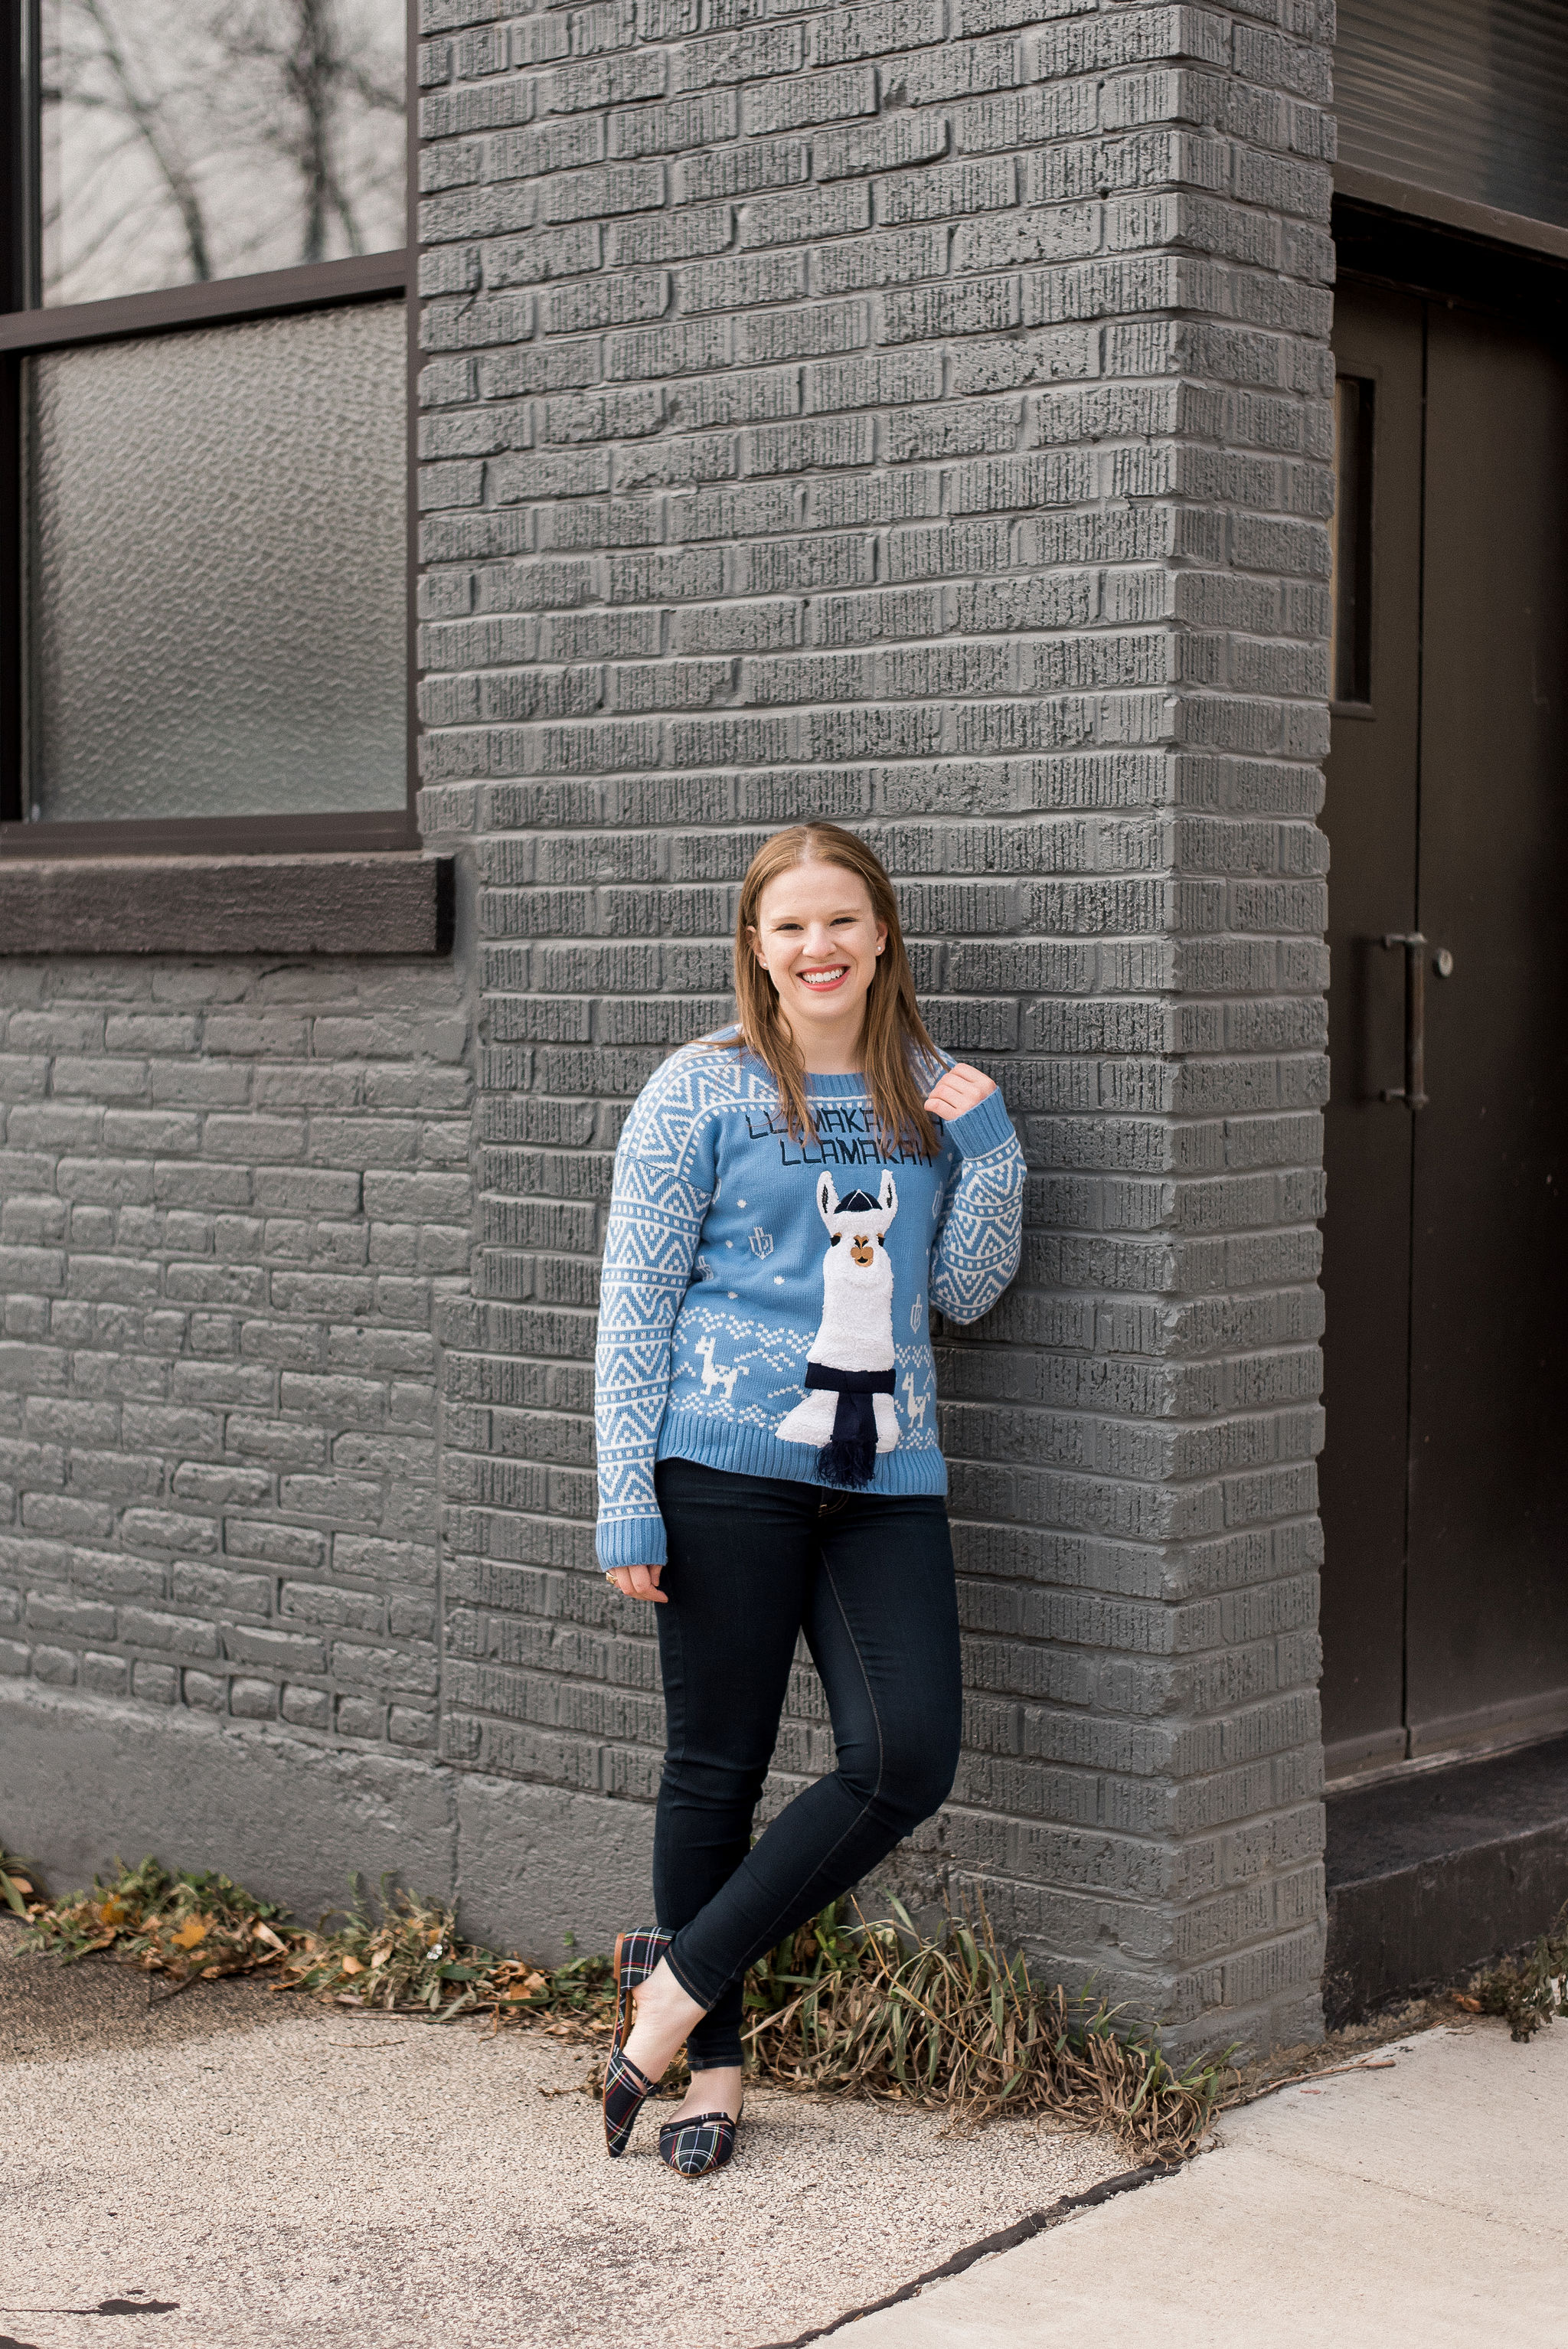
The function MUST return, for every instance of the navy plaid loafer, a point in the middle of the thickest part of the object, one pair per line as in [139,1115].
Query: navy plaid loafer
[625,2093]
[636,1955]
[697,2147]
[625,2087]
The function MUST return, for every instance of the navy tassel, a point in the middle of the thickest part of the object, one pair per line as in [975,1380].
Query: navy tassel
[849,1459]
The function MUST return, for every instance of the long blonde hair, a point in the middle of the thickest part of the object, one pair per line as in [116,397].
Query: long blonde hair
[897,1053]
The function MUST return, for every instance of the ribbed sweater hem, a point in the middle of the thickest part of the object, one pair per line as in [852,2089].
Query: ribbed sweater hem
[748,1451]
[755,1451]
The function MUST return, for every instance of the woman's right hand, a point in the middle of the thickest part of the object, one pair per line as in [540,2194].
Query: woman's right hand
[639,1582]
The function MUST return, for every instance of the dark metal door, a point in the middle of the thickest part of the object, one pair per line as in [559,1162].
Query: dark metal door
[1370,815]
[1445,1608]
[1487,1637]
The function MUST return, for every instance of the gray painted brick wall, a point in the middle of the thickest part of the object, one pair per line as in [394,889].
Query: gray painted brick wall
[230,1195]
[916,413]
[913,412]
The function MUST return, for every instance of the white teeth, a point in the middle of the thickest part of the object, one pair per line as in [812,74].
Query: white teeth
[821,977]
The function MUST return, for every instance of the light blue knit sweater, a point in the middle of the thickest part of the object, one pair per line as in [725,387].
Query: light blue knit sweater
[764,1302]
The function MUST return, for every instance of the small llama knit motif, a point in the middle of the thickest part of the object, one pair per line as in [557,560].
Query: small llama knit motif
[713,1374]
[848,1411]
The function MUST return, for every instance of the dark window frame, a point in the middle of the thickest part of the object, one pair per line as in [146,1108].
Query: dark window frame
[328,284]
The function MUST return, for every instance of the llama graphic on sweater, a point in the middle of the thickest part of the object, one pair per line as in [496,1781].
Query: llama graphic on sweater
[849,1410]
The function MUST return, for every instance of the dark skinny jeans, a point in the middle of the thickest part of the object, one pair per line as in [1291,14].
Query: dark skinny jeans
[753,1562]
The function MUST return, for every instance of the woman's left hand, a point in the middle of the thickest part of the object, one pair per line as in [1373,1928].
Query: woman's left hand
[960,1088]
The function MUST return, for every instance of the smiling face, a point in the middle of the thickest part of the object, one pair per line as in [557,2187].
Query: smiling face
[817,938]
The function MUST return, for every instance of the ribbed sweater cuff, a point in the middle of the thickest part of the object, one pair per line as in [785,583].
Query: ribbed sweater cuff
[982,1129]
[631,1541]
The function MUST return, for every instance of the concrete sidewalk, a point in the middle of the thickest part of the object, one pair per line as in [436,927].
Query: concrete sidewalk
[1420,2207]
[242,2171]
[254,2172]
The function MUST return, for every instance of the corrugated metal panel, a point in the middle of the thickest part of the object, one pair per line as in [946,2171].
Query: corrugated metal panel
[1466,96]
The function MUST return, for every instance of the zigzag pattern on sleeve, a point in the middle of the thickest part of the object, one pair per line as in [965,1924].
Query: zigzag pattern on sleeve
[981,1240]
[663,1182]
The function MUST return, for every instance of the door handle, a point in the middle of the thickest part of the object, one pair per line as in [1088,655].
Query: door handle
[1413,1092]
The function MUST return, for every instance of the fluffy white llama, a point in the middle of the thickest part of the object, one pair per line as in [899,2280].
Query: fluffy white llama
[849,1409]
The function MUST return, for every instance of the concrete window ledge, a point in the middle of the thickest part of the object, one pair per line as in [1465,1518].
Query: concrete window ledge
[373,904]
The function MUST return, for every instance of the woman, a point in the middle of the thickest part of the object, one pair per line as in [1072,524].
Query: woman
[790,1196]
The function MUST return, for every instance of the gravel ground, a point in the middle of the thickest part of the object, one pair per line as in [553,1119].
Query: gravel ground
[285,2173]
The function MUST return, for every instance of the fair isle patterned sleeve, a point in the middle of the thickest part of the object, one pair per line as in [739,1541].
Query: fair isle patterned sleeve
[664,1176]
[981,1236]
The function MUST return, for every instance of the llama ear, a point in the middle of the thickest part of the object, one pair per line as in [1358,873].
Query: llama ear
[888,1195]
[827,1198]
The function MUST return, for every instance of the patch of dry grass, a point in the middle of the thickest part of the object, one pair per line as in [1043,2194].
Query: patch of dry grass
[193,1927]
[410,1958]
[879,2011]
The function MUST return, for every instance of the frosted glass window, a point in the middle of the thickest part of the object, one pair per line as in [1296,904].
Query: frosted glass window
[1469,98]
[187,139]
[216,549]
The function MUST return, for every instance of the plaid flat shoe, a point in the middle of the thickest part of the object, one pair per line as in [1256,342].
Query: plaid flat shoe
[696,2148]
[626,2089]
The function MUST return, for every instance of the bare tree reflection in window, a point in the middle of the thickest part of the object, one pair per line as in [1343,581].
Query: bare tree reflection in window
[186,140]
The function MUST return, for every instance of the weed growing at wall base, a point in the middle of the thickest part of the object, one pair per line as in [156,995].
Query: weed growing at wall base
[1526,1990]
[877,2010]
[193,1927]
[843,2008]
[410,1958]
[17,1890]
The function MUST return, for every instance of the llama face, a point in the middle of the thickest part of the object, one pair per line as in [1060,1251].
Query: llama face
[856,1222]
